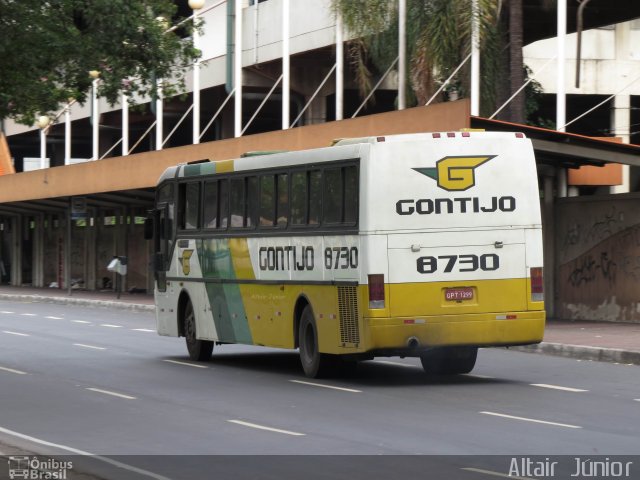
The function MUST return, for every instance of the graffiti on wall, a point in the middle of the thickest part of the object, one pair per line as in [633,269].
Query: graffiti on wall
[603,282]
[600,227]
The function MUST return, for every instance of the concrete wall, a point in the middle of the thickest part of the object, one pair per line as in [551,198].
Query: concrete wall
[598,258]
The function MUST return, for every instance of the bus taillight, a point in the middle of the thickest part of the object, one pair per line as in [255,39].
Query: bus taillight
[376,291]
[537,285]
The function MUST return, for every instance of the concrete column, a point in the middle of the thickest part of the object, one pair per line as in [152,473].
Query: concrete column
[91,247]
[38,252]
[620,125]
[16,251]
[126,231]
[561,180]
[548,240]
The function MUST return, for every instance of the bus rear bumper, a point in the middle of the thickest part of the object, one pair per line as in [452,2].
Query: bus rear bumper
[482,330]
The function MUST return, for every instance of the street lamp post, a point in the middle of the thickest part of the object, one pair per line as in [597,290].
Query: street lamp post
[43,123]
[196,5]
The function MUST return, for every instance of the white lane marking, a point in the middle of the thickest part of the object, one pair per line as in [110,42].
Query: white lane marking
[558,387]
[113,394]
[262,427]
[9,332]
[186,363]
[81,321]
[108,325]
[142,330]
[399,364]
[327,386]
[494,474]
[88,346]
[637,399]
[477,375]
[524,419]
[28,314]
[54,318]
[110,461]
[6,311]
[11,370]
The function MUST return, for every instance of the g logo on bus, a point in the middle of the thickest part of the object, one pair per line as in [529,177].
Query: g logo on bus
[186,261]
[455,174]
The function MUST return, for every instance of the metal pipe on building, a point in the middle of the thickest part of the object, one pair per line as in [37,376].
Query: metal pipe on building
[561,95]
[237,70]
[475,59]
[196,5]
[125,125]
[579,23]
[402,54]
[286,71]
[339,68]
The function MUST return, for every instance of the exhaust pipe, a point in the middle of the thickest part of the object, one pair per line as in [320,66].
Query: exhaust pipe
[413,343]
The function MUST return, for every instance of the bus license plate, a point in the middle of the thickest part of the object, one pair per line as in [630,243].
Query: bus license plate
[457,294]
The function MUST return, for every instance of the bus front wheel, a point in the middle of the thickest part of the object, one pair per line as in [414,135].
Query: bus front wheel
[199,350]
[449,360]
[314,363]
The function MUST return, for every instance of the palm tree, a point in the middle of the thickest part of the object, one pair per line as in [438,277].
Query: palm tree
[438,40]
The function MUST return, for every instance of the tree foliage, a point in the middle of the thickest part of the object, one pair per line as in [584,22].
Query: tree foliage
[438,40]
[48,48]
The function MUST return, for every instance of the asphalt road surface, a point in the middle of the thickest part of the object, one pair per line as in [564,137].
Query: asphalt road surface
[83,381]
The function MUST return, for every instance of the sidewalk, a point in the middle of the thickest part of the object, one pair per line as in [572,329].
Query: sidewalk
[601,341]
[127,301]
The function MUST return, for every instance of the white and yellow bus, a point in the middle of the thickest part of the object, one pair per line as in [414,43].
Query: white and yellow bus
[422,245]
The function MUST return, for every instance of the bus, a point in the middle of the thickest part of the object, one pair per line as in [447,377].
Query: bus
[417,245]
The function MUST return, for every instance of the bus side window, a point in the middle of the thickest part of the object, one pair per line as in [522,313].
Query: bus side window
[282,213]
[252,201]
[332,199]
[189,205]
[237,203]
[267,200]
[211,204]
[299,191]
[350,195]
[224,204]
[315,197]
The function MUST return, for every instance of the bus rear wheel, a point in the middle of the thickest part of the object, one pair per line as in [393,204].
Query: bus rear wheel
[449,360]
[199,350]
[314,363]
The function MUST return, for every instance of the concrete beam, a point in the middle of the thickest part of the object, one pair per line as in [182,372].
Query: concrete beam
[143,170]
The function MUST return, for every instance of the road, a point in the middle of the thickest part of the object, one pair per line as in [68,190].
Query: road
[79,380]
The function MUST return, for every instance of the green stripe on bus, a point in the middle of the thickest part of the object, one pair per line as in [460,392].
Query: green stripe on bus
[226,303]
[199,169]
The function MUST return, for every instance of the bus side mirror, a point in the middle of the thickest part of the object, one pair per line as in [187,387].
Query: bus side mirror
[158,262]
[148,227]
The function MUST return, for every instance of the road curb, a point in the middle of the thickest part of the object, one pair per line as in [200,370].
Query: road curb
[136,307]
[583,352]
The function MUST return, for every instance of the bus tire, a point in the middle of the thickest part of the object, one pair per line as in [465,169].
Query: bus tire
[199,350]
[449,360]
[314,363]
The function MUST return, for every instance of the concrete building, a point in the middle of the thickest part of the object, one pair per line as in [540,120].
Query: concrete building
[61,226]
[607,77]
